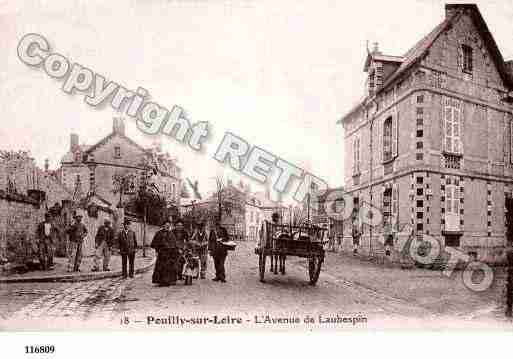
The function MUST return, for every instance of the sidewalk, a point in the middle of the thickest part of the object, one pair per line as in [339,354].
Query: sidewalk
[59,272]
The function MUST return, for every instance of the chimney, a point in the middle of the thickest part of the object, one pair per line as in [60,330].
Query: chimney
[73,142]
[118,125]
[451,9]
[375,48]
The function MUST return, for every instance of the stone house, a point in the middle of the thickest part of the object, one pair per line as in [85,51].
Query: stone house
[431,145]
[90,169]
[260,207]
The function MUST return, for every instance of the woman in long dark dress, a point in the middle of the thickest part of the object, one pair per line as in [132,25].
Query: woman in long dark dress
[164,243]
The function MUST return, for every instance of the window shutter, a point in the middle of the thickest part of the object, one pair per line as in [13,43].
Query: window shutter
[444,124]
[395,205]
[461,126]
[354,156]
[456,130]
[511,140]
[395,140]
[358,155]
[380,147]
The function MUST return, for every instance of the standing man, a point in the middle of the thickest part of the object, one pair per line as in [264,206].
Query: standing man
[356,233]
[45,234]
[218,250]
[200,241]
[77,232]
[103,242]
[127,248]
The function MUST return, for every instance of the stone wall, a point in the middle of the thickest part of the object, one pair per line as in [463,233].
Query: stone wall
[19,216]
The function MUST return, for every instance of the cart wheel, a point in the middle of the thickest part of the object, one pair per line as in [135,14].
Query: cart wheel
[314,269]
[261,266]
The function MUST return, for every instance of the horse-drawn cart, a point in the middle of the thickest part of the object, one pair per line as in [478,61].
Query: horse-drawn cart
[278,241]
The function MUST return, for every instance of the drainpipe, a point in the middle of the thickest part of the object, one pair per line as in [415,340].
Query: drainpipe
[373,117]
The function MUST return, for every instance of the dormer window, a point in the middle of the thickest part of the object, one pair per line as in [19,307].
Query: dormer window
[467,59]
[117,152]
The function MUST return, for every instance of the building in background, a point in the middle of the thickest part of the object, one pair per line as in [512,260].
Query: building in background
[431,145]
[90,169]
[260,207]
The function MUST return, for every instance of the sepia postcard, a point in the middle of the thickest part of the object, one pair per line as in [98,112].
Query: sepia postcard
[255,165]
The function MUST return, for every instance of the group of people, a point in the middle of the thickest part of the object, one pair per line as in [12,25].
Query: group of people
[182,255]
[46,234]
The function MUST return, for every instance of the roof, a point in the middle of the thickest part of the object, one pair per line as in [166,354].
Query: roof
[421,48]
[69,157]
[381,57]
[107,138]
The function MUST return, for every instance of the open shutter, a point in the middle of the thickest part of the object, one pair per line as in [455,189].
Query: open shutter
[455,130]
[443,118]
[358,155]
[379,142]
[395,137]
[461,124]
[354,156]
[511,140]
[395,205]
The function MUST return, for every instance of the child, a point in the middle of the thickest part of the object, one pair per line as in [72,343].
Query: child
[191,267]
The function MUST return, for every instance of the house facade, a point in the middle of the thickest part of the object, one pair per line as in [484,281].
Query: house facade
[90,169]
[431,144]
[260,207]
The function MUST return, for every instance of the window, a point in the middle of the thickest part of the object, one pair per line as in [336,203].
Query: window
[419,156]
[420,98]
[356,156]
[117,152]
[452,201]
[467,58]
[420,111]
[420,121]
[452,123]
[420,145]
[420,133]
[387,139]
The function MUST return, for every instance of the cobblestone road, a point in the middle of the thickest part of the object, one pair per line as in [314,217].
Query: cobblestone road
[107,303]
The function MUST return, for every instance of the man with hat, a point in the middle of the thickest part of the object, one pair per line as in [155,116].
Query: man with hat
[127,248]
[45,234]
[103,243]
[218,250]
[199,241]
[77,232]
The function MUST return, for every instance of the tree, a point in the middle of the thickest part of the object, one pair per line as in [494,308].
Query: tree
[123,182]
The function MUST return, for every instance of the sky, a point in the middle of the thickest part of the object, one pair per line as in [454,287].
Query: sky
[277,73]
